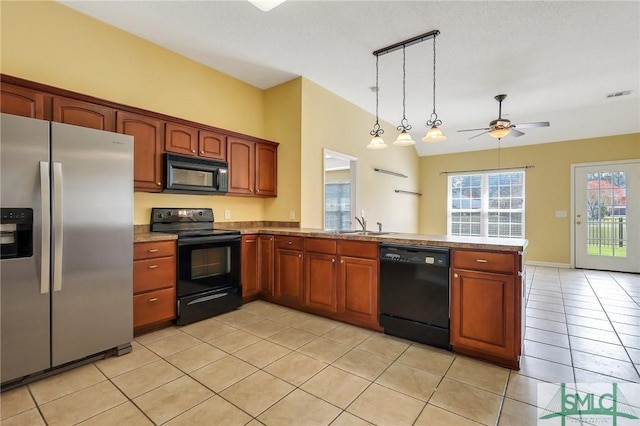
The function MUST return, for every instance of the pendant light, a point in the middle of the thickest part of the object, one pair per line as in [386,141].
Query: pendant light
[377,142]
[434,134]
[404,138]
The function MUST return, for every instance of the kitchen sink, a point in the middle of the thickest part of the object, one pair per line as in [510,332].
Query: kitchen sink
[341,231]
[371,233]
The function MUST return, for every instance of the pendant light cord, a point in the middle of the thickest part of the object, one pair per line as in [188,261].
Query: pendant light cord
[433,120]
[404,124]
[377,130]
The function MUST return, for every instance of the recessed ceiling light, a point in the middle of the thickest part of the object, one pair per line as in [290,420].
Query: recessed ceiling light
[266,5]
[617,94]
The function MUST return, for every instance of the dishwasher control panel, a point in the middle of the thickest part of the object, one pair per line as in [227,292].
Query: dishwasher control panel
[434,256]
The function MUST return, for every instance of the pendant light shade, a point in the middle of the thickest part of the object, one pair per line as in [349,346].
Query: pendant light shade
[404,139]
[434,134]
[377,143]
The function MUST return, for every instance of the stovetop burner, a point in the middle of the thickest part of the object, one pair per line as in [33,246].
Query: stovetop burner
[186,223]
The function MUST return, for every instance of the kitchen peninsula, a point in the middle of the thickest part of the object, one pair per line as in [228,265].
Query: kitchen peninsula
[336,275]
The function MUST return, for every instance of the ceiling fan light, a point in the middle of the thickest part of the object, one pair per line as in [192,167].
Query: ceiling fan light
[377,143]
[434,135]
[499,133]
[404,139]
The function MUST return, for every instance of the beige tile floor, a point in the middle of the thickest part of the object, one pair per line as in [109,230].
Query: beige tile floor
[265,364]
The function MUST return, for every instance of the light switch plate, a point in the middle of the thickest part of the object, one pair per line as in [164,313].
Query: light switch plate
[227,214]
[292,214]
[561,213]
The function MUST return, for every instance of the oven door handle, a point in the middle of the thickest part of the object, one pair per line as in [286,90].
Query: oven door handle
[208,239]
[207,298]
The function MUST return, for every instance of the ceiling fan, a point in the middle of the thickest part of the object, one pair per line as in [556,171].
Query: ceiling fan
[502,127]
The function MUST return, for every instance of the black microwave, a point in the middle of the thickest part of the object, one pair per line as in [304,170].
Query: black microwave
[194,175]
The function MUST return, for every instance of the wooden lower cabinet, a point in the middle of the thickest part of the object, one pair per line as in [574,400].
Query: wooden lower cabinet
[154,285]
[486,305]
[265,264]
[321,282]
[249,277]
[358,290]
[288,270]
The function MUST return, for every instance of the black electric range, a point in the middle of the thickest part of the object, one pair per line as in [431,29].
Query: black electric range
[208,262]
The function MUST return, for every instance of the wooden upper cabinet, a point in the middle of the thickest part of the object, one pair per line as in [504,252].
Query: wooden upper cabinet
[212,145]
[180,139]
[266,182]
[147,149]
[85,114]
[253,167]
[241,157]
[20,101]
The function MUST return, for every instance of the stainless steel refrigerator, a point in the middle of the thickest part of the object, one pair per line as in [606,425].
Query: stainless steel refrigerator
[66,269]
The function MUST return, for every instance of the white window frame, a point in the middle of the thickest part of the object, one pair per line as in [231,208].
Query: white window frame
[484,210]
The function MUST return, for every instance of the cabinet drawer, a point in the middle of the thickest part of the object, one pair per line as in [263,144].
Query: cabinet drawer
[320,245]
[152,274]
[154,249]
[358,249]
[154,306]
[483,261]
[292,243]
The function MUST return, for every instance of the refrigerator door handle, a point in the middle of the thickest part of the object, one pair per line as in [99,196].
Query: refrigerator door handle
[45,206]
[57,226]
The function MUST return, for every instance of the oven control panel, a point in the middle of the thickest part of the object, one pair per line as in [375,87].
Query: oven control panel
[172,215]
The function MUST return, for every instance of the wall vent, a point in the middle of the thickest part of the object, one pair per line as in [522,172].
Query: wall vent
[617,94]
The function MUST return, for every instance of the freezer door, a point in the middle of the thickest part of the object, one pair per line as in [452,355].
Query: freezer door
[91,301]
[24,306]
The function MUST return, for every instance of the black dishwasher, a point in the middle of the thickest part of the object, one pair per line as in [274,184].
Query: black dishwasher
[414,293]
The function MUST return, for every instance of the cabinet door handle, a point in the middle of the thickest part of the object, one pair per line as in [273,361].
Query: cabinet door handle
[299,255]
[152,266]
[333,261]
[290,242]
[341,261]
[193,151]
[154,299]
[482,261]
[159,183]
[201,152]
[455,275]
[257,190]
[153,250]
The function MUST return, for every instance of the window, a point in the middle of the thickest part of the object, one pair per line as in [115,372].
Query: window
[487,205]
[337,213]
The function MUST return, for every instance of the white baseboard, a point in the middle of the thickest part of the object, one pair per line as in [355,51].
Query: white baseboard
[548,264]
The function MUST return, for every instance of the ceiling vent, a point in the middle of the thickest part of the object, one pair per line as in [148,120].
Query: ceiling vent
[618,94]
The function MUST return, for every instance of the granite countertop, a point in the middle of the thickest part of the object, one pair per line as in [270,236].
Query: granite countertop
[481,243]
[142,234]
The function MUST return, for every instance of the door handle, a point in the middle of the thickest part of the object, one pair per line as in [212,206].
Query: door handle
[45,208]
[57,226]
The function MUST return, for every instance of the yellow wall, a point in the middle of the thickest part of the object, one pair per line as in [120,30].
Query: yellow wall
[547,189]
[331,122]
[283,124]
[55,45]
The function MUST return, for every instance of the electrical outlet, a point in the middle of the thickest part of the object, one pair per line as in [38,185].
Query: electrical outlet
[227,214]
[292,214]
[561,213]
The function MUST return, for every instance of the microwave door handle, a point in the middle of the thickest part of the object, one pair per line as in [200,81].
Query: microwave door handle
[45,212]
[57,226]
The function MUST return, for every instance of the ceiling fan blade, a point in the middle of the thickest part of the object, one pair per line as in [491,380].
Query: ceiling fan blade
[529,125]
[474,130]
[515,133]
[479,134]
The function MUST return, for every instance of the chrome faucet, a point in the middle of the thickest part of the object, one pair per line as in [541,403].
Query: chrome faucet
[362,221]
[379,226]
